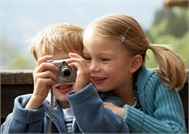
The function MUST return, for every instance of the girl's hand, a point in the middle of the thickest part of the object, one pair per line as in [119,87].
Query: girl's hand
[115,109]
[83,74]
[42,79]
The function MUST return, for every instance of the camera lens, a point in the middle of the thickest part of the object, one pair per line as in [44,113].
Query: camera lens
[67,73]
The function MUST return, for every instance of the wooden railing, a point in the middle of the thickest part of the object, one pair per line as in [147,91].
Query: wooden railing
[15,83]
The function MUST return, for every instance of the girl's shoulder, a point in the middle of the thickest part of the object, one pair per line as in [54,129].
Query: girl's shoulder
[145,74]
[148,78]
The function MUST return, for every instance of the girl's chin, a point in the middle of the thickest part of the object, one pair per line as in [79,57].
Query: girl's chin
[102,89]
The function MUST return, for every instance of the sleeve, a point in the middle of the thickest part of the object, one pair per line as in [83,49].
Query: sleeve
[23,120]
[109,97]
[91,115]
[164,111]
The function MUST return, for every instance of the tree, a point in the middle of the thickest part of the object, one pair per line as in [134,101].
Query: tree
[170,26]
[20,62]
[11,57]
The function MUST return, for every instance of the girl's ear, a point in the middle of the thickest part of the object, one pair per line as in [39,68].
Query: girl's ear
[136,63]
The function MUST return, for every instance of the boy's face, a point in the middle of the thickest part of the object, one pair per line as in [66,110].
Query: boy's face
[60,90]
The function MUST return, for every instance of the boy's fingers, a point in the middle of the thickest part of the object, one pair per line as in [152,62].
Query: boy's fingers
[43,59]
[74,55]
[45,67]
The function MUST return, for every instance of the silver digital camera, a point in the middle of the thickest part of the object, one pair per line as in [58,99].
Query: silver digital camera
[65,73]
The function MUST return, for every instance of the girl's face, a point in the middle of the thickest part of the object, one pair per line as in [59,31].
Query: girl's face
[109,62]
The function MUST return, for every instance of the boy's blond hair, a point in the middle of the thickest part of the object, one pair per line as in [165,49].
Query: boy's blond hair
[55,38]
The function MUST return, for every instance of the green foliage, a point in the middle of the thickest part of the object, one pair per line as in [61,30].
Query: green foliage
[170,27]
[8,51]
[11,57]
[173,21]
[19,62]
[151,63]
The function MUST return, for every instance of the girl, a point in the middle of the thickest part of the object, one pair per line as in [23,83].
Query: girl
[115,46]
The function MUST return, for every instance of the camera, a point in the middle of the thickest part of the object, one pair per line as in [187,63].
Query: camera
[65,73]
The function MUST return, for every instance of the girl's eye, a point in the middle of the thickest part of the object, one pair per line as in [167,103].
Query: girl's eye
[87,58]
[104,59]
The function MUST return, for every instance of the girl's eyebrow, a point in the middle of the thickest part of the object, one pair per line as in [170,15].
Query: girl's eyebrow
[85,52]
[105,53]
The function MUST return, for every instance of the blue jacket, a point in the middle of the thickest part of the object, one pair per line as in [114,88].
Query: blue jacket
[162,110]
[90,115]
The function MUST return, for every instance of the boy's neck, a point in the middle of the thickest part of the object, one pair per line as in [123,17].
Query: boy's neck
[64,104]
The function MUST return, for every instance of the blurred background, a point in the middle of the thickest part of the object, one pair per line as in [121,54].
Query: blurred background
[164,22]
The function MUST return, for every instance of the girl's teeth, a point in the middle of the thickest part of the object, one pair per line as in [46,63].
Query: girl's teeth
[98,78]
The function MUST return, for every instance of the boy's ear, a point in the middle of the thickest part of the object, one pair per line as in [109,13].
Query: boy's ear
[136,63]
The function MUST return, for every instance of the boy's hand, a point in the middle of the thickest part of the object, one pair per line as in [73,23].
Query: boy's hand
[83,74]
[42,80]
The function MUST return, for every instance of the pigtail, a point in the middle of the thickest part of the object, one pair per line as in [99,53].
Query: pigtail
[172,69]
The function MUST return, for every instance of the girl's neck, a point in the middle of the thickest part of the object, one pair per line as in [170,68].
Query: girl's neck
[125,94]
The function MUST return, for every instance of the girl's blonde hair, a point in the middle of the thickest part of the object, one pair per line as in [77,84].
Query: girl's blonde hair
[55,38]
[171,66]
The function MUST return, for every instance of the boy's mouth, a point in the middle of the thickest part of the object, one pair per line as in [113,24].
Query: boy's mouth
[64,88]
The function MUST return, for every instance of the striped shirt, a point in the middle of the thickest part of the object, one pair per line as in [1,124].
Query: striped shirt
[68,117]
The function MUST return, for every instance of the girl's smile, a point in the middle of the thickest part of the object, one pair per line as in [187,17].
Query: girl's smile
[98,80]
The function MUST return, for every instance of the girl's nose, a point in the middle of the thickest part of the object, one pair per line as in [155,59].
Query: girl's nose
[94,67]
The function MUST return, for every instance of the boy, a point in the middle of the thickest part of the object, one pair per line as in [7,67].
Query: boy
[31,112]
